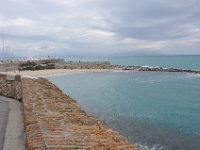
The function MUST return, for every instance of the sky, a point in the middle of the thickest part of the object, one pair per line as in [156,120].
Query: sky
[100,27]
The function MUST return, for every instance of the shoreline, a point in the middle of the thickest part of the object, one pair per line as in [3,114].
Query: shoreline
[57,66]
[60,123]
[58,72]
[54,120]
[54,72]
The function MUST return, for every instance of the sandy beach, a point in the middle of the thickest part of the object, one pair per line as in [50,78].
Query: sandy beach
[53,72]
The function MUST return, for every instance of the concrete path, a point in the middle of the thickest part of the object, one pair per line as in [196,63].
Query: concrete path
[11,125]
[4,110]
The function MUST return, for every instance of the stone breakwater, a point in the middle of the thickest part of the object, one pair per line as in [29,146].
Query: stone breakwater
[159,69]
[53,120]
[61,64]
[10,86]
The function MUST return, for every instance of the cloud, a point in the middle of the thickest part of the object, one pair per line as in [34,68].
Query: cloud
[33,27]
[144,44]
[18,22]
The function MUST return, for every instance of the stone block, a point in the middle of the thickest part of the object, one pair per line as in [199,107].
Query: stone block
[2,76]
[18,78]
[10,77]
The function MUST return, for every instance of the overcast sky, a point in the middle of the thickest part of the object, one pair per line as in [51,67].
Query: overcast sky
[100,27]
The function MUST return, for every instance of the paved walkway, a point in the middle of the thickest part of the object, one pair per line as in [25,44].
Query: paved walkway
[11,125]
[4,110]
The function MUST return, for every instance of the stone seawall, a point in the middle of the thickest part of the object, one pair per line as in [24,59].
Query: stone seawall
[10,86]
[54,121]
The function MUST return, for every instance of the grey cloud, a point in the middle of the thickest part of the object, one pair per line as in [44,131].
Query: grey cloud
[101,26]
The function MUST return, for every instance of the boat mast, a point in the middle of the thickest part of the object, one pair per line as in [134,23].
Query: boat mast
[3,46]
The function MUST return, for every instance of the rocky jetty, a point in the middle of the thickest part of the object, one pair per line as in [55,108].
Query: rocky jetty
[160,69]
[55,121]
[61,64]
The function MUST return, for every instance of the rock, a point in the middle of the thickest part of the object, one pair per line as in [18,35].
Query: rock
[10,86]
[53,120]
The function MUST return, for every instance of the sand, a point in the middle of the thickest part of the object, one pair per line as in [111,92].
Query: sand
[53,72]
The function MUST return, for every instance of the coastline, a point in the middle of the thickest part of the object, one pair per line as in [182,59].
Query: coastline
[106,94]
[34,77]
[57,72]
[54,72]
[53,120]
[39,68]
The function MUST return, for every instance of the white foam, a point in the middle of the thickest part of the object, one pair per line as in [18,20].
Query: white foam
[122,71]
[54,75]
[150,67]
[192,75]
[30,77]
[145,147]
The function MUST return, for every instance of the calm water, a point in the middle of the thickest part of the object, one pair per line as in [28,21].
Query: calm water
[180,62]
[153,109]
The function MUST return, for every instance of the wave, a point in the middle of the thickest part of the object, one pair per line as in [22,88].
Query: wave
[152,67]
[145,147]
[121,71]
[54,75]
[192,75]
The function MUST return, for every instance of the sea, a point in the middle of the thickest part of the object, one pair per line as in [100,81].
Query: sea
[154,110]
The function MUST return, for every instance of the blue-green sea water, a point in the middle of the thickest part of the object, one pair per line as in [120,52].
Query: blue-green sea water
[179,62]
[155,110]
[152,109]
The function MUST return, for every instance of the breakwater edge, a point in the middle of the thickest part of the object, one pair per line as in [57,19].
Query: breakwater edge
[70,65]
[53,120]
